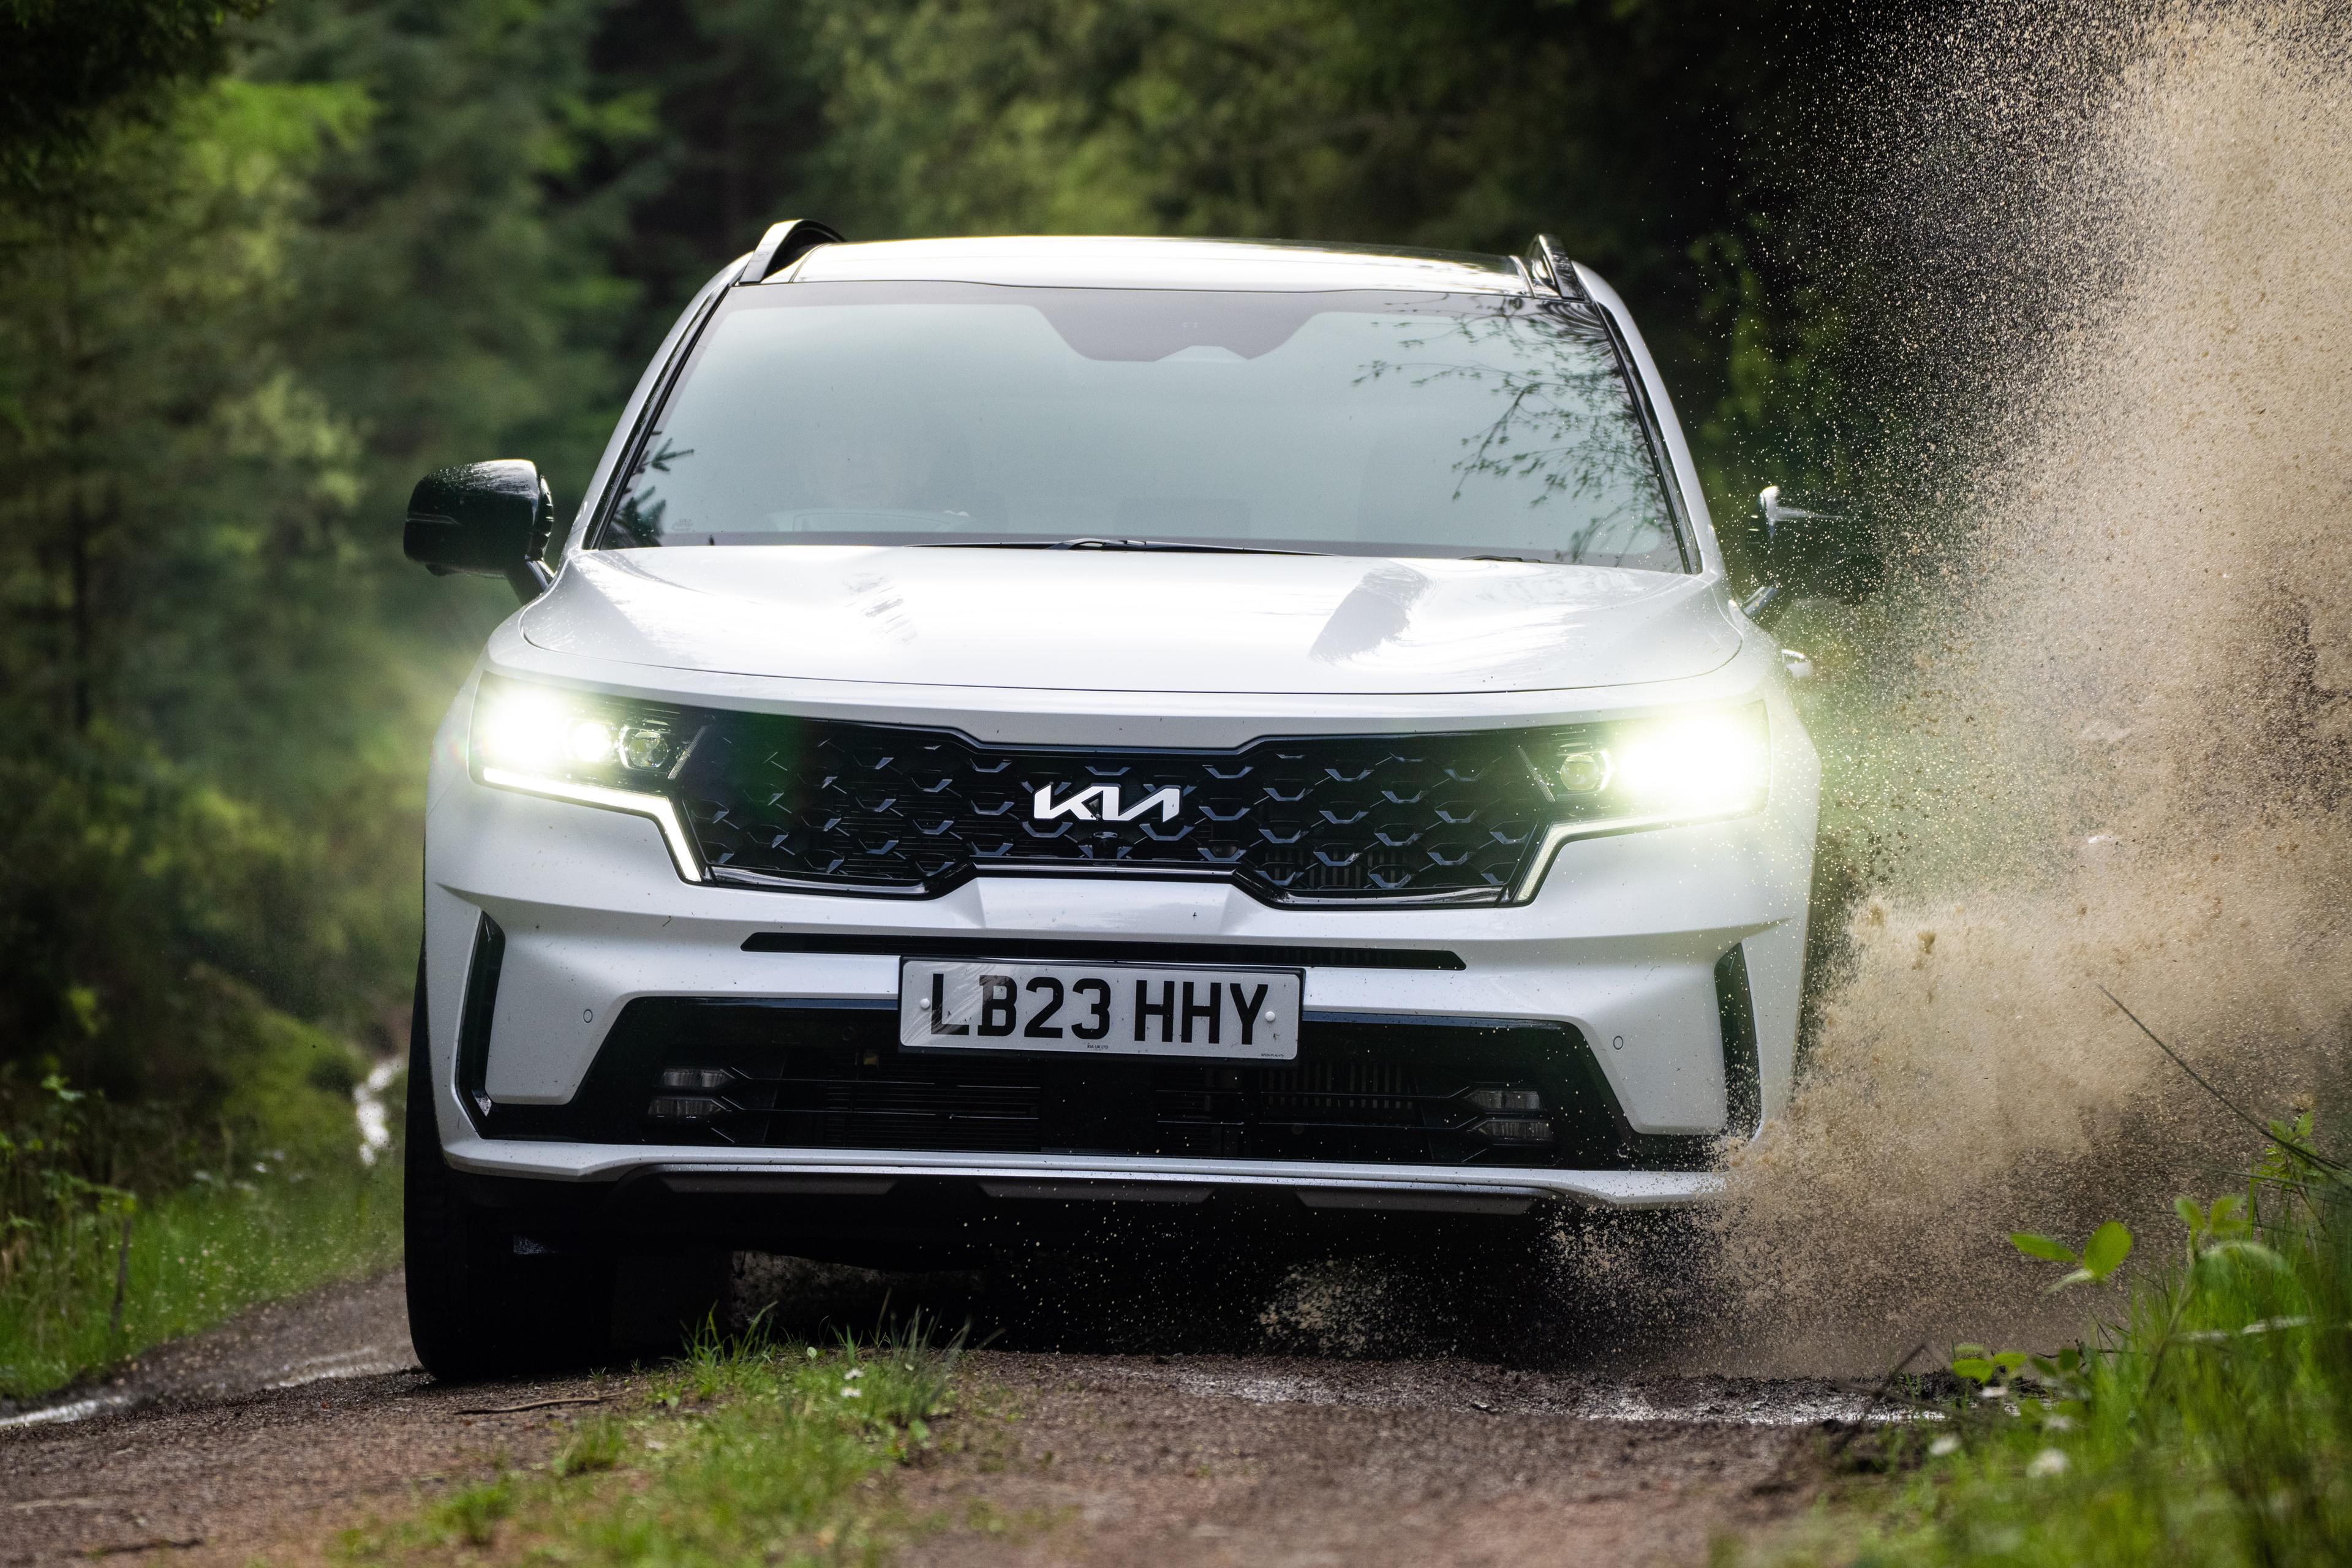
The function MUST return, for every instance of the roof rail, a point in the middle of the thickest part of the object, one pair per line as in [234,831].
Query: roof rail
[1548,265]
[783,244]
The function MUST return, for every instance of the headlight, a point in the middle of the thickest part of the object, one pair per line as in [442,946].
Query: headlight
[610,751]
[1651,772]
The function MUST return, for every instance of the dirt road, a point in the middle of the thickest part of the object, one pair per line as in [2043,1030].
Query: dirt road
[264,1439]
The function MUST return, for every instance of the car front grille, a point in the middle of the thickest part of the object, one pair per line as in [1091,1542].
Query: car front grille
[775,800]
[788,1075]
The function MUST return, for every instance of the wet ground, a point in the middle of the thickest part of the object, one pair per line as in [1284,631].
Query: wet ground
[265,1438]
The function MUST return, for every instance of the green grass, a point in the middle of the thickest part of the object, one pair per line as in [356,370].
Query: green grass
[750,1450]
[195,1258]
[2209,1426]
[126,1224]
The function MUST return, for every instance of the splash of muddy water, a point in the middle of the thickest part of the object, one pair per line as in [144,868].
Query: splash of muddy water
[2124,727]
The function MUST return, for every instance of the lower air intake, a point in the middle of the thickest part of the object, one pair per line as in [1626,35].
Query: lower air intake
[777,1075]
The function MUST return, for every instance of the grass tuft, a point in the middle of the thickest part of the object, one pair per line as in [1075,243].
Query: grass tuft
[748,1448]
[596,1444]
[472,1513]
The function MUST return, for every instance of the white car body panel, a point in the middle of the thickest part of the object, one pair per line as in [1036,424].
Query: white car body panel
[1620,941]
[1019,619]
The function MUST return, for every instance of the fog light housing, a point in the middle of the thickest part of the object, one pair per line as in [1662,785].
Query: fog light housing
[1513,1129]
[684,1107]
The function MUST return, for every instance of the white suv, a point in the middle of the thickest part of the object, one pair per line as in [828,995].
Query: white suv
[1030,727]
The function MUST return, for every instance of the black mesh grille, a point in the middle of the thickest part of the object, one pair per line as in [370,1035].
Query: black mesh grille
[915,811]
[836,1099]
[1349,1106]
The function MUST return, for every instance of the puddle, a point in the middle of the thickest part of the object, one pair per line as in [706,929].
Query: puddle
[76,1410]
[1744,1402]
[1260,1390]
[369,1361]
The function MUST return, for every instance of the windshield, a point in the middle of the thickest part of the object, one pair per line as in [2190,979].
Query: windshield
[1354,423]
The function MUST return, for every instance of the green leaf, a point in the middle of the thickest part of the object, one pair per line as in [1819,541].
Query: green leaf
[2190,1214]
[1975,1369]
[2009,1360]
[2042,1246]
[2079,1276]
[2251,1251]
[2106,1251]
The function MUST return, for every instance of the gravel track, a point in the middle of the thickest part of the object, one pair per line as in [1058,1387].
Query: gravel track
[263,1440]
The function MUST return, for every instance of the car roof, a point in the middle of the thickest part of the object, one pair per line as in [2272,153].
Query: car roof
[1090,261]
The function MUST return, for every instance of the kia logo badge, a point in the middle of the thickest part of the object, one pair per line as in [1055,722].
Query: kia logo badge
[1100,802]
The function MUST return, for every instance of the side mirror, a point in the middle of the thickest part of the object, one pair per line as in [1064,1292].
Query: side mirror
[1810,554]
[492,519]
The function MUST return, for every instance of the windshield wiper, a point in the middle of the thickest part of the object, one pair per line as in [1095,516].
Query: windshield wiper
[1184,546]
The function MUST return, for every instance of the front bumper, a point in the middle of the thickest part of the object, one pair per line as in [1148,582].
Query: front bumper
[881,1212]
[689,1172]
[1621,949]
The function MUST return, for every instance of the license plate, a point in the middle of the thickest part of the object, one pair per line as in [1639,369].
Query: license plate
[1110,1009]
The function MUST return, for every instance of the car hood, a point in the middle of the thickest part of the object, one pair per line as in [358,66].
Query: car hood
[1133,621]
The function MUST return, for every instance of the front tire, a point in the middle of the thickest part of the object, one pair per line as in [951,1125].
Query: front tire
[477,1307]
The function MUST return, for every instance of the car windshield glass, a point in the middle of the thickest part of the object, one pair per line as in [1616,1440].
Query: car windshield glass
[1356,423]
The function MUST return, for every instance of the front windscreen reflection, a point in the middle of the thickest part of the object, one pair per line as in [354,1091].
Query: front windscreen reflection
[1354,422]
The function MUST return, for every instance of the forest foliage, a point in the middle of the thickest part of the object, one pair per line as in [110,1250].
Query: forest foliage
[263,264]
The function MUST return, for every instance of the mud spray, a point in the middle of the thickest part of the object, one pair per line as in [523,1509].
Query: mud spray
[2110,750]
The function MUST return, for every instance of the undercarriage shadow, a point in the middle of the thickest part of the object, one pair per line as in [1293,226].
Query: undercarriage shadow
[1557,1291]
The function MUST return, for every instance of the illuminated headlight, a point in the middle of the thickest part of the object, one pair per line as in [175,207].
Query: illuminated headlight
[1651,772]
[1715,763]
[609,751]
